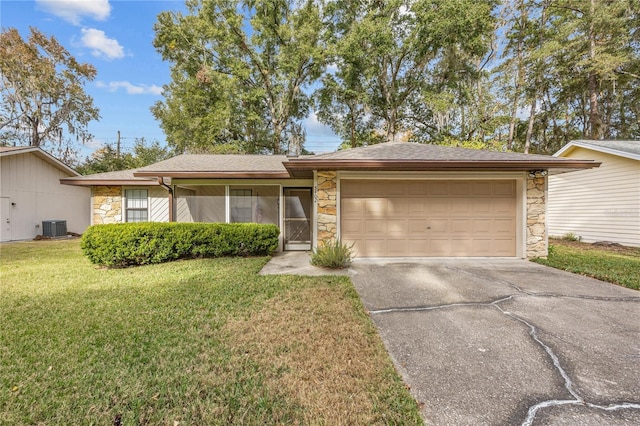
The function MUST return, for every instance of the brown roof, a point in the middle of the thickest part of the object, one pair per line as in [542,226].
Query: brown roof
[408,156]
[394,156]
[218,166]
[121,177]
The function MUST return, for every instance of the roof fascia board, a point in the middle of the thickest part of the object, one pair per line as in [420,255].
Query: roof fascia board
[108,182]
[439,165]
[573,144]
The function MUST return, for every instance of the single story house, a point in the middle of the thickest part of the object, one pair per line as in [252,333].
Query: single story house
[600,204]
[30,193]
[394,199]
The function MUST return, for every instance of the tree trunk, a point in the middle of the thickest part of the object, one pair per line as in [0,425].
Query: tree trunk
[391,125]
[518,79]
[532,116]
[595,121]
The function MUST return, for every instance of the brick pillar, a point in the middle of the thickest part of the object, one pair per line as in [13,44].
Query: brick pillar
[106,204]
[536,228]
[326,193]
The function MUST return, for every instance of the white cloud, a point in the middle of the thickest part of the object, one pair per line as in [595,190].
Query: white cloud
[74,10]
[101,45]
[131,89]
[94,144]
[314,127]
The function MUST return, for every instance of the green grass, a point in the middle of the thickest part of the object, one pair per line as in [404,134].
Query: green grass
[621,268]
[194,342]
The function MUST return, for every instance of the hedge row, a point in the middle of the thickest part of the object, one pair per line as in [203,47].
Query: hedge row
[127,244]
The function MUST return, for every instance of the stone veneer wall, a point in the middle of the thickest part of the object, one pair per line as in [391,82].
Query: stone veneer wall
[106,204]
[536,207]
[326,196]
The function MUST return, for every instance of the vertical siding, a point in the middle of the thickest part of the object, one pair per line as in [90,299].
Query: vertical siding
[601,204]
[34,186]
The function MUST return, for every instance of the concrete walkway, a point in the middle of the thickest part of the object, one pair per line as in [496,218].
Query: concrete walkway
[296,263]
[503,342]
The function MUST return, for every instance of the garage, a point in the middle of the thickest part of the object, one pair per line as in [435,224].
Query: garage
[429,218]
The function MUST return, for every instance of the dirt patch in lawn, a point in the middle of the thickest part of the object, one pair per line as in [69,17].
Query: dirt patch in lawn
[322,351]
[599,246]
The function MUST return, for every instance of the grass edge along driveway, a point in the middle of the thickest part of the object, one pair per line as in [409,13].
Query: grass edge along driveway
[192,342]
[618,265]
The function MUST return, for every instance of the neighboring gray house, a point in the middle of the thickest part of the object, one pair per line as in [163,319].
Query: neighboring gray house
[30,192]
[600,204]
[394,199]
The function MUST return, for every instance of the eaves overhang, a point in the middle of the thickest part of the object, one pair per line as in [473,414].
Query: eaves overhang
[300,168]
[108,182]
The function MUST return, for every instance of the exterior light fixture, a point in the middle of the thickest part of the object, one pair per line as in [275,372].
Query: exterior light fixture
[537,173]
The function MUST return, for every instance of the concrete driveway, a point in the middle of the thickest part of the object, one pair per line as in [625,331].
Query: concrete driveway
[505,342]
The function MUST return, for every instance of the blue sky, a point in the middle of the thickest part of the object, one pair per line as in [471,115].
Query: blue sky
[117,38]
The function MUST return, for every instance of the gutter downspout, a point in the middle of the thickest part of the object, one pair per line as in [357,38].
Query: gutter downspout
[170,191]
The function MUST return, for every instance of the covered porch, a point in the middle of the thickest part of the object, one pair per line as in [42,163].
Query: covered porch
[289,205]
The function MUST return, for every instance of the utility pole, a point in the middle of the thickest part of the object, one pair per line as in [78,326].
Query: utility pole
[118,146]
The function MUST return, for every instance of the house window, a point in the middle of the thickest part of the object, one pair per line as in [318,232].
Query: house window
[240,203]
[137,203]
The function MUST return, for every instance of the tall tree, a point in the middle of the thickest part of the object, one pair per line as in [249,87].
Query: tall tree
[412,56]
[579,62]
[42,90]
[248,61]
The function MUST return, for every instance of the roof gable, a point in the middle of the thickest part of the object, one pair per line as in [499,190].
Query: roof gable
[627,149]
[7,151]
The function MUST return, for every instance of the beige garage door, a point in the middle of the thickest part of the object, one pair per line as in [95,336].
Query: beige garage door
[429,218]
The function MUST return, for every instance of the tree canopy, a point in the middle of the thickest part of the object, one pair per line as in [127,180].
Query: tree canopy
[525,75]
[42,91]
[240,70]
[109,158]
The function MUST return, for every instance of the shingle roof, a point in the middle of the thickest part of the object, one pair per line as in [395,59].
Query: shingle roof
[629,149]
[406,156]
[395,156]
[213,165]
[418,151]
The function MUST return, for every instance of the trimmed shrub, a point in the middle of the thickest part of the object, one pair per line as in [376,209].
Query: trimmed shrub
[332,255]
[127,244]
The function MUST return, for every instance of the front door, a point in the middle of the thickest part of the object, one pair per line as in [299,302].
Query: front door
[5,219]
[297,218]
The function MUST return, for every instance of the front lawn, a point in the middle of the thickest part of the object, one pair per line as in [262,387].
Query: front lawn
[190,342]
[618,265]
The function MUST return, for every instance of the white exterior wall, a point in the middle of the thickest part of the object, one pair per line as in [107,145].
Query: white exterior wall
[601,204]
[34,186]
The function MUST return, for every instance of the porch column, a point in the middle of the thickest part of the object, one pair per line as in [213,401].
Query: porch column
[536,208]
[327,192]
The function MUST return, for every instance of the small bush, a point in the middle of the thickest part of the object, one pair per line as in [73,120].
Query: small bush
[570,236]
[127,244]
[333,255]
